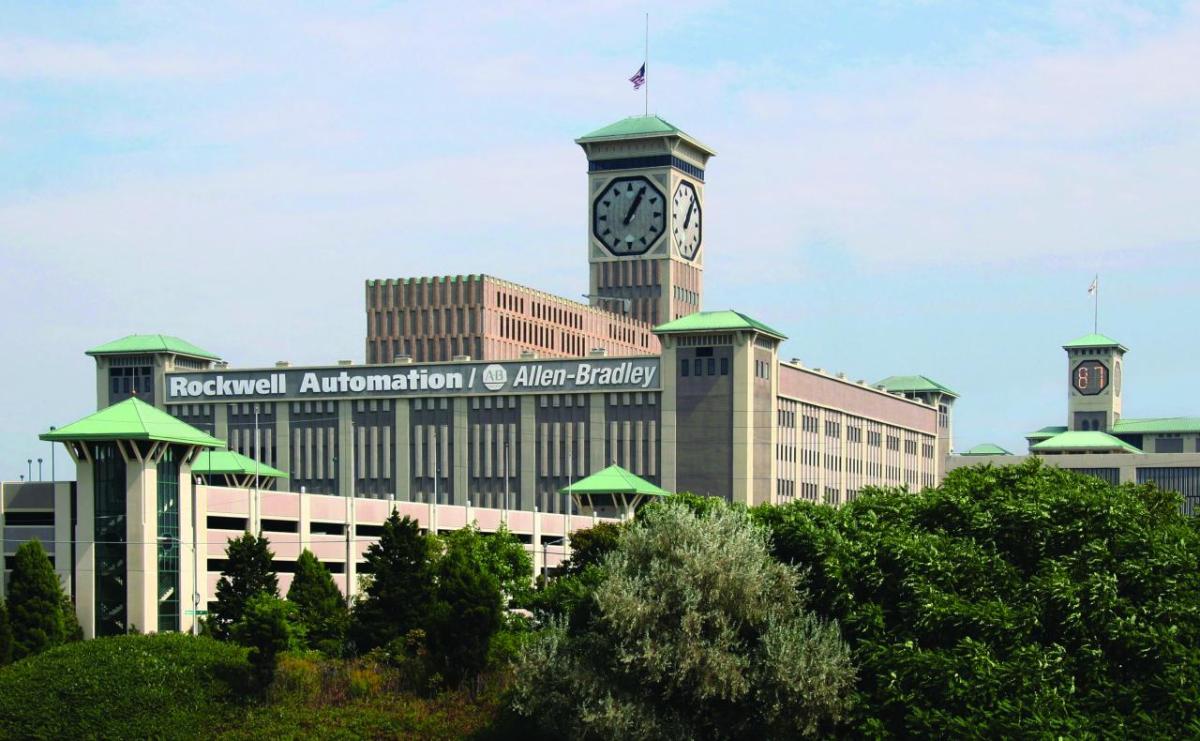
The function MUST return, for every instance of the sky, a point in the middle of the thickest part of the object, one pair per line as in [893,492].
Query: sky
[901,187]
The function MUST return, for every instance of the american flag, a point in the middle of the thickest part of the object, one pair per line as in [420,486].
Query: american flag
[639,78]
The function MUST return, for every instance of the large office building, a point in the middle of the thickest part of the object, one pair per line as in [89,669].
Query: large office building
[480,400]
[1098,439]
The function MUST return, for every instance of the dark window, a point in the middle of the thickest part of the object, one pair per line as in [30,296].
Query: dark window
[216,522]
[1168,445]
[712,367]
[683,367]
[327,528]
[281,526]
[43,519]
[368,531]
[725,372]
[697,370]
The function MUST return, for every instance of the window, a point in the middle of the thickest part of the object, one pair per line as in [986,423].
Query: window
[712,367]
[725,372]
[683,367]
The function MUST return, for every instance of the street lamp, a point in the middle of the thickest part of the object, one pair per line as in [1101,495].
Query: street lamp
[29,471]
[39,469]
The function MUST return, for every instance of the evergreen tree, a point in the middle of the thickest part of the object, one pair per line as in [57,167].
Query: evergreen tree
[400,588]
[267,627]
[34,602]
[72,630]
[463,616]
[499,554]
[320,607]
[249,570]
[6,637]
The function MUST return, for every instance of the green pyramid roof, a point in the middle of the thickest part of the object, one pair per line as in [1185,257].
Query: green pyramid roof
[613,480]
[639,126]
[1156,424]
[1094,340]
[901,384]
[987,449]
[717,321]
[133,419]
[218,462]
[1046,432]
[149,343]
[1082,441]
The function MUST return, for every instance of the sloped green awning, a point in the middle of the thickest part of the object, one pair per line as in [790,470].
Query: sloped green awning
[613,480]
[717,321]
[232,463]
[987,449]
[133,419]
[925,384]
[1080,441]
[151,343]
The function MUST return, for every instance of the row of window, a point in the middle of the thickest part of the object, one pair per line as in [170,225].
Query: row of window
[426,292]
[703,367]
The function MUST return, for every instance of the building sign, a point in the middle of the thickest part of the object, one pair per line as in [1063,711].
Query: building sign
[594,374]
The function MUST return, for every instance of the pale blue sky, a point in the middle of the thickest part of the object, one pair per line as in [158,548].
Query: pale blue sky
[902,187]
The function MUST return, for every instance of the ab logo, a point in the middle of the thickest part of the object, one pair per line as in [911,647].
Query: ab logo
[494,377]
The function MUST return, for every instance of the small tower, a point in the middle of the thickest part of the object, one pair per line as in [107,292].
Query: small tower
[135,366]
[133,464]
[1094,368]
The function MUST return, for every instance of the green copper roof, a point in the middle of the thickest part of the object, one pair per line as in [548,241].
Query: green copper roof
[902,384]
[217,462]
[613,480]
[1046,432]
[1081,441]
[1157,424]
[633,126]
[133,419]
[636,127]
[147,343]
[987,449]
[1094,340]
[717,321]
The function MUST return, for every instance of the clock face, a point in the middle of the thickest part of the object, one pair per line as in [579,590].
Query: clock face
[629,216]
[1090,377]
[685,220]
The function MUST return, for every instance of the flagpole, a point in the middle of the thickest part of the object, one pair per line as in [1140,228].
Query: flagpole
[1096,306]
[646,63]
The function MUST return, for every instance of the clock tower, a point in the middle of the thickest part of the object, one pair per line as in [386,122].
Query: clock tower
[645,219]
[1094,370]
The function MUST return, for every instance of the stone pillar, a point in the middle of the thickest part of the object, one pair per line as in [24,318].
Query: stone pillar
[668,452]
[526,497]
[401,459]
[345,448]
[283,444]
[458,474]
[141,551]
[85,548]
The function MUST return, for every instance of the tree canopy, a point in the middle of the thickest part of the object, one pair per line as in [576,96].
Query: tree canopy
[6,636]
[249,570]
[35,600]
[697,633]
[319,605]
[396,597]
[1010,601]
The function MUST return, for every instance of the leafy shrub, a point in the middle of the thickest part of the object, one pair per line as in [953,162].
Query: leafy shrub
[695,632]
[164,685]
[1010,602]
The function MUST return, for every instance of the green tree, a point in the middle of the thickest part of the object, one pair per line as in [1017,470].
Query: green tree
[463,616]
[35,600]
[398,593]
[267,627]
[500,554]
[72,630]
[590,546]
[6,636]
[1010,602]
[698,633]
[320,606]
[249,570]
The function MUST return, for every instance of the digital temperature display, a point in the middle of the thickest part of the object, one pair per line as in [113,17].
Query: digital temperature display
[1090,377]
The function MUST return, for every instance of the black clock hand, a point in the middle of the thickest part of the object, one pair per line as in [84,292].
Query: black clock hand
[637,201]
[688,219]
